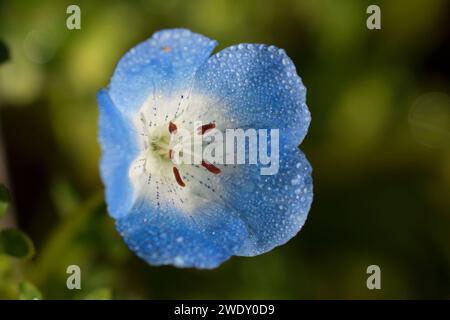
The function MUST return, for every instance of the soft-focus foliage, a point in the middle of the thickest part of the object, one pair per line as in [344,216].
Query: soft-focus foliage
[27,291]
[4,200]
[4,53]
[381,157]
[16,244]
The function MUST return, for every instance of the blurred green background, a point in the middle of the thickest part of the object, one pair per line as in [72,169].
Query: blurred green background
[379,144]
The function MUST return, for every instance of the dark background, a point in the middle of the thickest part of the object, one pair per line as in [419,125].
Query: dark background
[379,144]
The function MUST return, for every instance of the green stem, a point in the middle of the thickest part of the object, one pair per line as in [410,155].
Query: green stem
[59,242]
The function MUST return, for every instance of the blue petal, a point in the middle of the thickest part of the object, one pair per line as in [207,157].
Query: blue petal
[118,143]
[257,214]
[259,87]
[161,65]
[203,240]
[274,207]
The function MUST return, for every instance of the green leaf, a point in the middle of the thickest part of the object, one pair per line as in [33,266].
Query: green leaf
[99,294]
[4,200]
[28,291]
[4,52]
[15,243]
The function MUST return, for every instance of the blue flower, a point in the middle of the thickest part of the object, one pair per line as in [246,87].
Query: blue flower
[199,215]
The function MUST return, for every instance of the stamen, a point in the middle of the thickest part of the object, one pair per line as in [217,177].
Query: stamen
[180,181]
[210,167]
[206,127]
[170,153]
[172,127]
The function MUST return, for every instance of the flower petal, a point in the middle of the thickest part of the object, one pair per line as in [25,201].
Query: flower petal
[118,143]
[258,87]
[202,240]
[274,207]
[160,66]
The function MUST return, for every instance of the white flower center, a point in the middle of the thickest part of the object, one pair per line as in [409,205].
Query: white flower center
[159,125]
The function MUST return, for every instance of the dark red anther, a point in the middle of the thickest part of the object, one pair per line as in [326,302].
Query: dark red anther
[177,175]
[206,127]
[170,153]
[172,127]
[210,167]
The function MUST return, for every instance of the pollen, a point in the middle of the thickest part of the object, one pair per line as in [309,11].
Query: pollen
[177,175]
[204,128]
[210,167]
[172,127]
